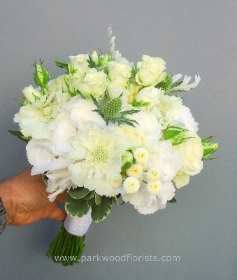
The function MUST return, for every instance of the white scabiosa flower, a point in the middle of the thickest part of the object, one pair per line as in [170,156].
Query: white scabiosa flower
[131,185]
[97,155]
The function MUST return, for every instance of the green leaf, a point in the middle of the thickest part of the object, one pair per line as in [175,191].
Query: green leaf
[78,192]
[172,131]
[115,200]
[98,199]
[19,135]
[101,211]
[173,200]
[76,207]
[89,196]
[61,64]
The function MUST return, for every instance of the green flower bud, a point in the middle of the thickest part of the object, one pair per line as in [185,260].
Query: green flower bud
[41,75]
[127,160]
[208,148]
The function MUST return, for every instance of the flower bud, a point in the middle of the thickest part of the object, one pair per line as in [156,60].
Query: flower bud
[41,75]
[127,160]
[31,94]
[208,148]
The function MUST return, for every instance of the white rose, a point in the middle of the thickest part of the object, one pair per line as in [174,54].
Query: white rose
[192,151]
[79,63]
[94,83]
[150,71]
[30,93]
[119,72]
[148,94]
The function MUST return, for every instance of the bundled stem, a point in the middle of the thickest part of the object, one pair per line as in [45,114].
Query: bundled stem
[66,248]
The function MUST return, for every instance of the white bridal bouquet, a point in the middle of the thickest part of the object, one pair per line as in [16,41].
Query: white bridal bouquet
[109,131]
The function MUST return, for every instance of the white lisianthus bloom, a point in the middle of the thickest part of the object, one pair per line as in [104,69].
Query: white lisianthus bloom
[149,125]
[192,152]
[36,120]
[58,182]
[79,64]
[41,157]
[169,107]
[93,83]
[31,94]
[151,71]
[64,130]
[97,155]
[119,73]
[81,112]
[185,120]
[167,161]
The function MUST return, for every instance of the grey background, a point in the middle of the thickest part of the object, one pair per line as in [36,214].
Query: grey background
[193,37]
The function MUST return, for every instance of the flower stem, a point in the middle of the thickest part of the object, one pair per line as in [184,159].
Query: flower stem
[66,248]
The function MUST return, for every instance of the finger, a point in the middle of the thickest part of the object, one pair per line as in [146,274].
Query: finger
[62,197]
[58,215]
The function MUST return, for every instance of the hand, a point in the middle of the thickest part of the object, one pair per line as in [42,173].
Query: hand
[25,200]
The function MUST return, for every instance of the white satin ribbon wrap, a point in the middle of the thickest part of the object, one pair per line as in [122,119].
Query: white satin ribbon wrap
[78,226]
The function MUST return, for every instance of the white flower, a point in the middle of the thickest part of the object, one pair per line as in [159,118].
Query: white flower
[42,158]
[98,156]
[150,71]
[31,94]
[149,125]
[36,120]
[148,94]
[153,174]
[58,182]
[192,152]
[79,64]
[131,185]
[135,170]
[185,120]
[153,187]
[169,107]
[184,86]
[81,113]
[167,161]
[93,83]
[147,203]
[119,73]
[141,155]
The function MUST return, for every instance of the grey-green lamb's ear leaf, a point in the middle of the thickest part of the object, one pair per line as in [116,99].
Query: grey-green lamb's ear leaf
[78,193]
[101,211]
[76,207]
[19,135]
